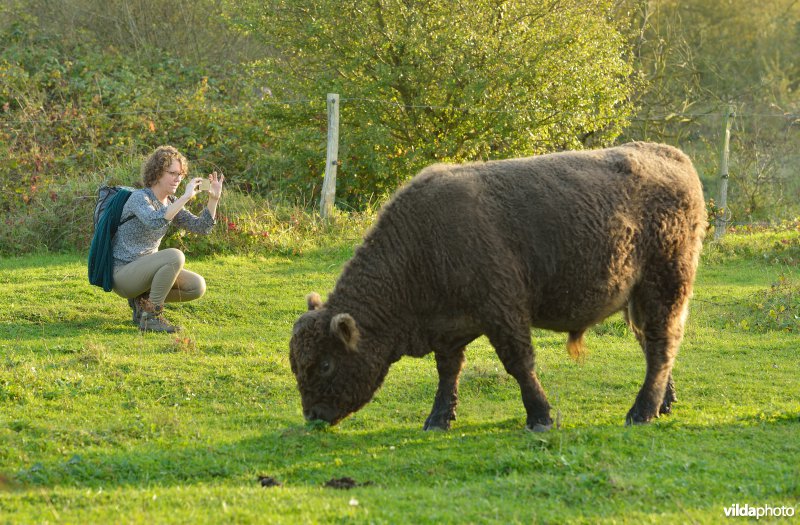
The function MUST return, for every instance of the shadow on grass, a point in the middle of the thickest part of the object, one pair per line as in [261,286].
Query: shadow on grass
[606,457]
[28,330]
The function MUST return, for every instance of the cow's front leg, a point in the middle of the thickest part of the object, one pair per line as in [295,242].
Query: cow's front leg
[448,364]
[516,353]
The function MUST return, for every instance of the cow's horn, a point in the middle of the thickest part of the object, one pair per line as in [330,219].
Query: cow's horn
[314,301]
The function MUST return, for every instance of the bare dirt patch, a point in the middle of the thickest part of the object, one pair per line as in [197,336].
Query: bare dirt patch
[269,481]
[345,483]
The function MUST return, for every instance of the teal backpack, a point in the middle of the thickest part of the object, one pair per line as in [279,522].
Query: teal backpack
[107,214]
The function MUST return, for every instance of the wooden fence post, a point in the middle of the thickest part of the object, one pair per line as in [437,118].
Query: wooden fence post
[331,159]
[724,217]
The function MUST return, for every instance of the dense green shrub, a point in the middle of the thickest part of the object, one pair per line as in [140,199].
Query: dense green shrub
[776,308]
[71,109]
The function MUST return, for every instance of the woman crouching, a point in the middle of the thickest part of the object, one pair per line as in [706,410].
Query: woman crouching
[146,276]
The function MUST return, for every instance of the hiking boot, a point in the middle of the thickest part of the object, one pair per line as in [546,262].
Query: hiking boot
[137,305]
[152,319]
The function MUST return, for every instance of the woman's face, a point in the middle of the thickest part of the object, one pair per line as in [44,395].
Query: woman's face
[170,178]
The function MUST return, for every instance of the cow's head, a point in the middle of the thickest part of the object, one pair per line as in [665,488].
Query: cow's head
[336,374]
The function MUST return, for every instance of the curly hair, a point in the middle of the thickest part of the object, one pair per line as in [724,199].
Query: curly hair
[159,161]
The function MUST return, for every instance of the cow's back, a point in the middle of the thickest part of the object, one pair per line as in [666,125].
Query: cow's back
[560,238]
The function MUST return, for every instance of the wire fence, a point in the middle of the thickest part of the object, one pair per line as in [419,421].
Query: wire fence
[665,117]
[763,153]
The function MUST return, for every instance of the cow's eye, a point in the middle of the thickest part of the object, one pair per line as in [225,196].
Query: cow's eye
[325,367]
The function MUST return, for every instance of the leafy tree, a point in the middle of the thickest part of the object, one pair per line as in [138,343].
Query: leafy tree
[698,56]
[446,80]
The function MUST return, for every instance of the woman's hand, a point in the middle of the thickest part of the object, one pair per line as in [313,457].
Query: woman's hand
[192,187]
[215,191]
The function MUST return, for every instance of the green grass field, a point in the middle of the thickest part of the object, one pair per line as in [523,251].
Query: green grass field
[101,424]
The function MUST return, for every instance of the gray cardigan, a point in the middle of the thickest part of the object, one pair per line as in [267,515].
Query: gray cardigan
[142,234]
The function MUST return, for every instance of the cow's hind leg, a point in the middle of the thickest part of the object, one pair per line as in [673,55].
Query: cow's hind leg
[636,325]
[669,397]
[657,314]
[448,364]
[516,354]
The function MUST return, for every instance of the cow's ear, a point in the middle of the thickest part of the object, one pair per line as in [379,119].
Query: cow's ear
[314,301]
[344,327]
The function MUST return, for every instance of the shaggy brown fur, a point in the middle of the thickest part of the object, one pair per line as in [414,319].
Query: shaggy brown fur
[559,241]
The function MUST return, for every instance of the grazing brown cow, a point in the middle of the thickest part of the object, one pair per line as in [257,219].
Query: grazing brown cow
[558,241]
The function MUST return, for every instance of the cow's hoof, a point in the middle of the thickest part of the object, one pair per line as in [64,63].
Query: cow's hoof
[440,424]
[635,417]
[539,427]
[666,406]
[541,424]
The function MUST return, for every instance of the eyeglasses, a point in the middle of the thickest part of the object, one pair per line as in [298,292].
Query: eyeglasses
[176,174]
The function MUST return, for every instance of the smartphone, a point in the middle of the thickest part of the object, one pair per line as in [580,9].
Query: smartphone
[205,185]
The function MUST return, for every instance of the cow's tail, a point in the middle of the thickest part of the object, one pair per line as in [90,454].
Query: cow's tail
[575,346]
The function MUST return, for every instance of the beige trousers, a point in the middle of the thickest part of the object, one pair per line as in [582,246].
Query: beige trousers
[162,273]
